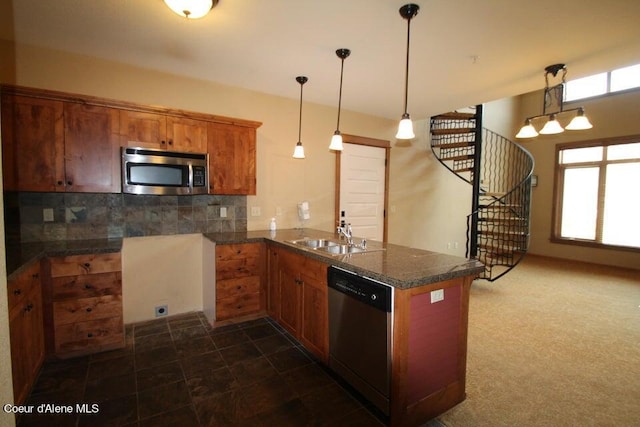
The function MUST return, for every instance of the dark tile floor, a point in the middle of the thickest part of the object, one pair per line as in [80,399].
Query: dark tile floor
[178,371]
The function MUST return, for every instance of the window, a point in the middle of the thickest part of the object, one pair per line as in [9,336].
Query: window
[596,193]
[600,84]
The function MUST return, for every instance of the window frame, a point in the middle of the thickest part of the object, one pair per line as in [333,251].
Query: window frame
[608,91]
[558,190]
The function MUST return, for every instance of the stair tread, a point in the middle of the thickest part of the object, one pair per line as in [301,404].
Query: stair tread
[445,146]
[502,233]
[454,115]
[452,131]
[510,219]
[493,194]
[500,206]
[463,170]
[461,157]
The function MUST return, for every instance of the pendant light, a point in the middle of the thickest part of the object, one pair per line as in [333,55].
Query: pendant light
[191,9]
[298,152]
[554,98]
[336,140]
[405,128]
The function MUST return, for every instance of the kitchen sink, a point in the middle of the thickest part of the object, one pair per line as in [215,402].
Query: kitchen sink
[342,249]
[315,243]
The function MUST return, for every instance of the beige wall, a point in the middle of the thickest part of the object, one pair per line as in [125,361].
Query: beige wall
[162,270]
[615,115]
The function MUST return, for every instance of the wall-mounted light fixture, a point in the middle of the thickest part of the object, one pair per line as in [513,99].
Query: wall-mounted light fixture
[298,152]
[554,101]
[192,9]
[405,128]
[336,140]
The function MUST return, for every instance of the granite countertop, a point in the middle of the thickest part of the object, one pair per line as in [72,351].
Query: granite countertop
[20,256]
[399,266]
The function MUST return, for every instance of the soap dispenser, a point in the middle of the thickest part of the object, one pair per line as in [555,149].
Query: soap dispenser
[272,224]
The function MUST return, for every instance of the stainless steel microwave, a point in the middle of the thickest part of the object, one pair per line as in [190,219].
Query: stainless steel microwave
[159,172]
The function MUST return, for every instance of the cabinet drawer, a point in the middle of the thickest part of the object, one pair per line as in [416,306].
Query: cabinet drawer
[90,335]
[233,287]
[235,268]
[85,309]
[240,251]
[239,305]
[18,288]
[87,286]
[75,265]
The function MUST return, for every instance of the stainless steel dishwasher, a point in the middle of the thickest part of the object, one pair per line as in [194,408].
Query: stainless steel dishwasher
[360,334]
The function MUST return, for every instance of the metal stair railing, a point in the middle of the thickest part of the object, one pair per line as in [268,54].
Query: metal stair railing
[498,227]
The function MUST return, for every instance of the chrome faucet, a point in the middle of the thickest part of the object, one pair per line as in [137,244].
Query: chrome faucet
[346,231]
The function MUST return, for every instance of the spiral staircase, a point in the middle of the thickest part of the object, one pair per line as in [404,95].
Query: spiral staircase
[499,170]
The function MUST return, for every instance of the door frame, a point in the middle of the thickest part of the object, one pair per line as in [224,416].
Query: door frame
[371,142]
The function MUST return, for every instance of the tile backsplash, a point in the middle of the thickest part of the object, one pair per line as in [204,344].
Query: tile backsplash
[36,217]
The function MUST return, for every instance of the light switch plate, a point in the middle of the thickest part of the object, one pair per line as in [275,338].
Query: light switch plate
[437,295]
[223,211]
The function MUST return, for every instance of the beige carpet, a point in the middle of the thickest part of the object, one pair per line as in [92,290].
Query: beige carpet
[553,343]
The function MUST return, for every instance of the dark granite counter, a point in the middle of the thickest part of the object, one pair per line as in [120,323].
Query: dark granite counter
[398,266]
[20,256]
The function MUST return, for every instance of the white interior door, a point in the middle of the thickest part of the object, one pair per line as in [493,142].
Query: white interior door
[362,189]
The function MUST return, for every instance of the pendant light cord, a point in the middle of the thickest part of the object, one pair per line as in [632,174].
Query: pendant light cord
[340,94]
[300,119]
[406,75]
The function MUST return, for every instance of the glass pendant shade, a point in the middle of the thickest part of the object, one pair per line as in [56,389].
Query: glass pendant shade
[579,122]
[527,131]
[405,128]
[552,127]
[192,9]
[336,142]
[298,152]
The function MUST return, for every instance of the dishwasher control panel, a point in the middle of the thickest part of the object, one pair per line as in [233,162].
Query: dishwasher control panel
[361,288]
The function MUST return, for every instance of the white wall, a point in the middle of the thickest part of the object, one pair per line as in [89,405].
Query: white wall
[162,270]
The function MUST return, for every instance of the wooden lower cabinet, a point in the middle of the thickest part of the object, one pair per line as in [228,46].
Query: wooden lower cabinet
[26,330]
[298,298]
[86,303]
[239,280]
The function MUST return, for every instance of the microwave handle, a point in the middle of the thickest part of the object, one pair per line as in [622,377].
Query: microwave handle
[190,178]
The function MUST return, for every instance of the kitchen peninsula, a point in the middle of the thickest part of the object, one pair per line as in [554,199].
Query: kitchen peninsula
[429,311]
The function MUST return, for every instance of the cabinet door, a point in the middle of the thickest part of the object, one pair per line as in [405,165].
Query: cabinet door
[273,285]
[32,144]
[232,151]
[289,298]
[35,330]
[92,151]
[314,320]
[186,135]
[147,130]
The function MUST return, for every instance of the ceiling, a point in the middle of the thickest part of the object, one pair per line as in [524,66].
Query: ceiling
[463,52]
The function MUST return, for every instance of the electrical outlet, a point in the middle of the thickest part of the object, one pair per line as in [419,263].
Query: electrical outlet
[223,211]
[162,310]
[278,211]
[47,215]
[255,211]
[455,245]
[437,295]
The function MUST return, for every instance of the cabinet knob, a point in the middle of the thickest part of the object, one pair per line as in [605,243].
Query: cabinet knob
[89,335]
[87,286]
[60,182]
[35,275]
[69,182]
[17,292]
[239,287]
[89,310]
[29,307]
[162,142]
[87,264]
[171,142]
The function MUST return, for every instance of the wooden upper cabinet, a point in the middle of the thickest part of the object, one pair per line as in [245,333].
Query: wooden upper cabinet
[32,144]
[92,151]
[232,159]
[140,129]
[186,135]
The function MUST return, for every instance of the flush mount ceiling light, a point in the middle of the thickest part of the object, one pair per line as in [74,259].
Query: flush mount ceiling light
[405,128]
[192,9]
[298,152]
[336,140]
[554,100]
